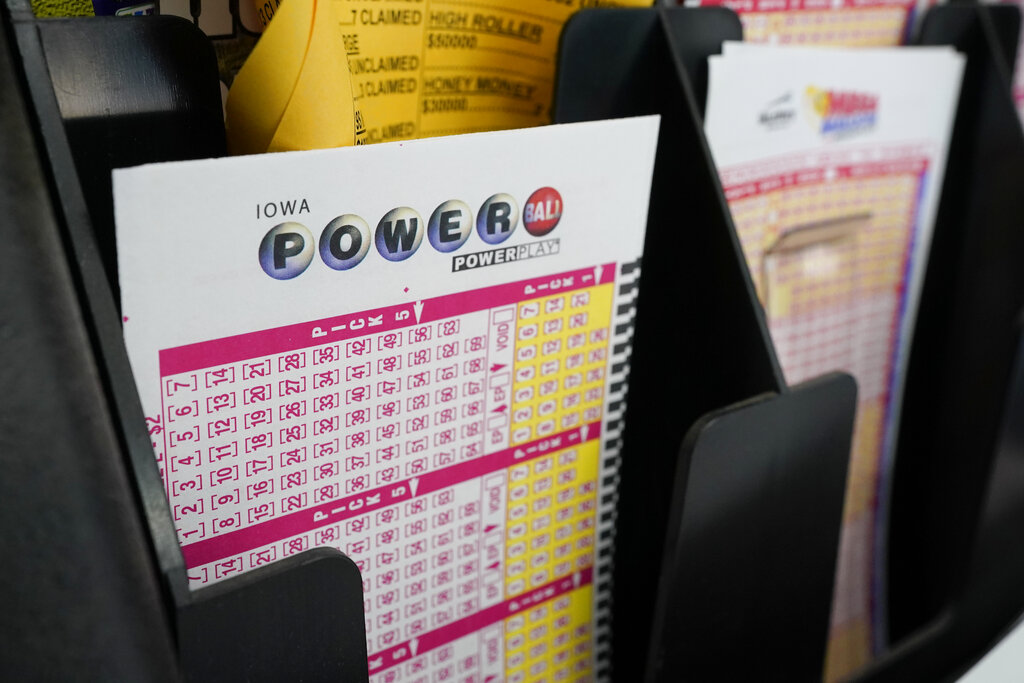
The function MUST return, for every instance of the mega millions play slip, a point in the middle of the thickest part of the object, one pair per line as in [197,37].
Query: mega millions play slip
[413,352]
[832,161]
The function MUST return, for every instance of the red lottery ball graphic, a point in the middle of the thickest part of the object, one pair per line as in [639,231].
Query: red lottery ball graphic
[542,211]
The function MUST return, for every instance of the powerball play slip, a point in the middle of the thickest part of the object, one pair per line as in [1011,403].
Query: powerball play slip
[415,353]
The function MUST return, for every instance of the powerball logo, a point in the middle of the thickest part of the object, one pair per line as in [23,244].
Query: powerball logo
[840,113]
[288,248]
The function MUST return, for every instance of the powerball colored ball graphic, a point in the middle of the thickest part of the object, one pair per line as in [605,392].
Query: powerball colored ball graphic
[450,225]
[497,219]
[345,242]
[542,212]
[286,251]
[399,233]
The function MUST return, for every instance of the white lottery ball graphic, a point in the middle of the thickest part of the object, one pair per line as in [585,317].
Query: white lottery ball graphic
[345,242]
[399,233]
[450,225]
[286,251]
[497,218]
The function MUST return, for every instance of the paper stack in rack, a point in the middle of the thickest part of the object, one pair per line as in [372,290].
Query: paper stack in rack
[832,162]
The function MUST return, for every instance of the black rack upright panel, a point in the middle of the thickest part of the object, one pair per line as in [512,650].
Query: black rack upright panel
[965,338]
[954,552]
[81,596]
[719,455]
[98,583]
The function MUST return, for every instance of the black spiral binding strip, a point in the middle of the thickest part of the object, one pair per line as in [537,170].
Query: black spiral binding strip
[621,342]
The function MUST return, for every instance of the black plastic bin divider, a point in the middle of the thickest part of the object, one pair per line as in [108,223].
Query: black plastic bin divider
[965,338]
[954,552]
[298,618]
[81,597]
[752,538]
[716,447]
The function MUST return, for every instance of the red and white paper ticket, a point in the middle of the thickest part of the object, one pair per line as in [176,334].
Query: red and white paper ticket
[416,353]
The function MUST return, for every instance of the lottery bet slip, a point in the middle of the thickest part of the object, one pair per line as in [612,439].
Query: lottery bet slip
[832,162]
[834,23]
[413,352]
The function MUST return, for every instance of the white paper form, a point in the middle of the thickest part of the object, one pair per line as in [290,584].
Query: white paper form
[414,352]
[1003,663]
[831,161]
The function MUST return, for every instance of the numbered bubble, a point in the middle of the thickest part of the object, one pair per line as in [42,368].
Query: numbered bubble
[345,242]
[286,251]
[450,225]
[497,219]
[542,212]
[399,233]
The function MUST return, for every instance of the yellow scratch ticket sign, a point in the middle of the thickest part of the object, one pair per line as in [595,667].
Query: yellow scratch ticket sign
[293,92]
[423,68]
